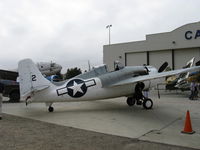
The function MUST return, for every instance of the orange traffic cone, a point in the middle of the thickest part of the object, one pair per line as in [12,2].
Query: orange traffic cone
[188,125]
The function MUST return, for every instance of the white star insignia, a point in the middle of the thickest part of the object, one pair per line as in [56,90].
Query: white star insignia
[76,88]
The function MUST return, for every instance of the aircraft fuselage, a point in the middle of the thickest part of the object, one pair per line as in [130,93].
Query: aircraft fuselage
[86,89]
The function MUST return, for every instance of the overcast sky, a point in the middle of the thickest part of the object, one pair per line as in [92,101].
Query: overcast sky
[71,32]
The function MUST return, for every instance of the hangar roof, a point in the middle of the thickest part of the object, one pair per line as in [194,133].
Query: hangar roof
[186,36]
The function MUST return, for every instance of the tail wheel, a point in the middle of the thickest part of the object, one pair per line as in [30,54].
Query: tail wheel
[130,101]
[51,109]
[147,103]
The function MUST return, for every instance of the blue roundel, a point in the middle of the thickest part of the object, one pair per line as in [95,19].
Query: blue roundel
[76,88]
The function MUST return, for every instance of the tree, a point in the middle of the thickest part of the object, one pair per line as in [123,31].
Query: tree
[72,73]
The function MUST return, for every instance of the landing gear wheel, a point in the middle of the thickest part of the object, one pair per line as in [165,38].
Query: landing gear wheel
[51,109]
[147,103]
[130,101]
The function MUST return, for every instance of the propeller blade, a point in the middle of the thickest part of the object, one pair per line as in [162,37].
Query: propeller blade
[163,67]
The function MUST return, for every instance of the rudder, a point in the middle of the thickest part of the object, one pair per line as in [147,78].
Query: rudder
[30,78]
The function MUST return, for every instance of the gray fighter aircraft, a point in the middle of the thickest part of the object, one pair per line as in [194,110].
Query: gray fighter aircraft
[96,84]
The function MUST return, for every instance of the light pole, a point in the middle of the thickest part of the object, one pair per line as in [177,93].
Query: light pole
[109,26]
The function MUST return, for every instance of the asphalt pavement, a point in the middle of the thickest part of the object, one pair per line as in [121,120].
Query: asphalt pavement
[162,125]
[18,133]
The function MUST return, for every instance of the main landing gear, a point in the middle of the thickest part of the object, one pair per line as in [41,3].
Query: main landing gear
[130,101]
[139,98]
[147,103]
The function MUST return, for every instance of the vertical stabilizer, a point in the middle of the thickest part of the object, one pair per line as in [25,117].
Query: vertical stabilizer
[30,78]
[188,65]
[183,76]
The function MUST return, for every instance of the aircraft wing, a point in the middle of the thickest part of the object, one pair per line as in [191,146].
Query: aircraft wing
[154,76]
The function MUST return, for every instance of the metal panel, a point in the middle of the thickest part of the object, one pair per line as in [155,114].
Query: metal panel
[136,59]
[157,58]
[182,56]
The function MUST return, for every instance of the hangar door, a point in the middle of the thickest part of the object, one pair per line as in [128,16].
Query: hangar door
[182,56]
[157,58]
[136,59]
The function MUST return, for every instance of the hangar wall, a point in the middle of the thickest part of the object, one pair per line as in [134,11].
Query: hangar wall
[132,58]
[183,55]
[156,58]
[175,47]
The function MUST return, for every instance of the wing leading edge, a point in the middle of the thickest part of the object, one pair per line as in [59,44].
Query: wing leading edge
[153,76]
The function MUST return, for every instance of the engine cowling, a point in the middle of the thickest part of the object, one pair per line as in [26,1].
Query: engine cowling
[151,69]
[146,84]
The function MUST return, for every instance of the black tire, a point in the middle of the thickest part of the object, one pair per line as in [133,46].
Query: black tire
[148,103]
[51,109]
[14,97]
[130,101]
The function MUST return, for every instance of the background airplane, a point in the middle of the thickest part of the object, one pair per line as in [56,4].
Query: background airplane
[181,82]
[96,84]
[49,69]
[46,68]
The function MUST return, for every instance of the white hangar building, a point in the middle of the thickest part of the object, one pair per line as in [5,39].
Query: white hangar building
[176,47]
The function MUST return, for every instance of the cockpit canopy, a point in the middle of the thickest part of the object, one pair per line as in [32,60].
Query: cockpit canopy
[100,69]
[96,71]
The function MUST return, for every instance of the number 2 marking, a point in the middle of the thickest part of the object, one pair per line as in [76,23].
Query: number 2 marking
[33,77]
